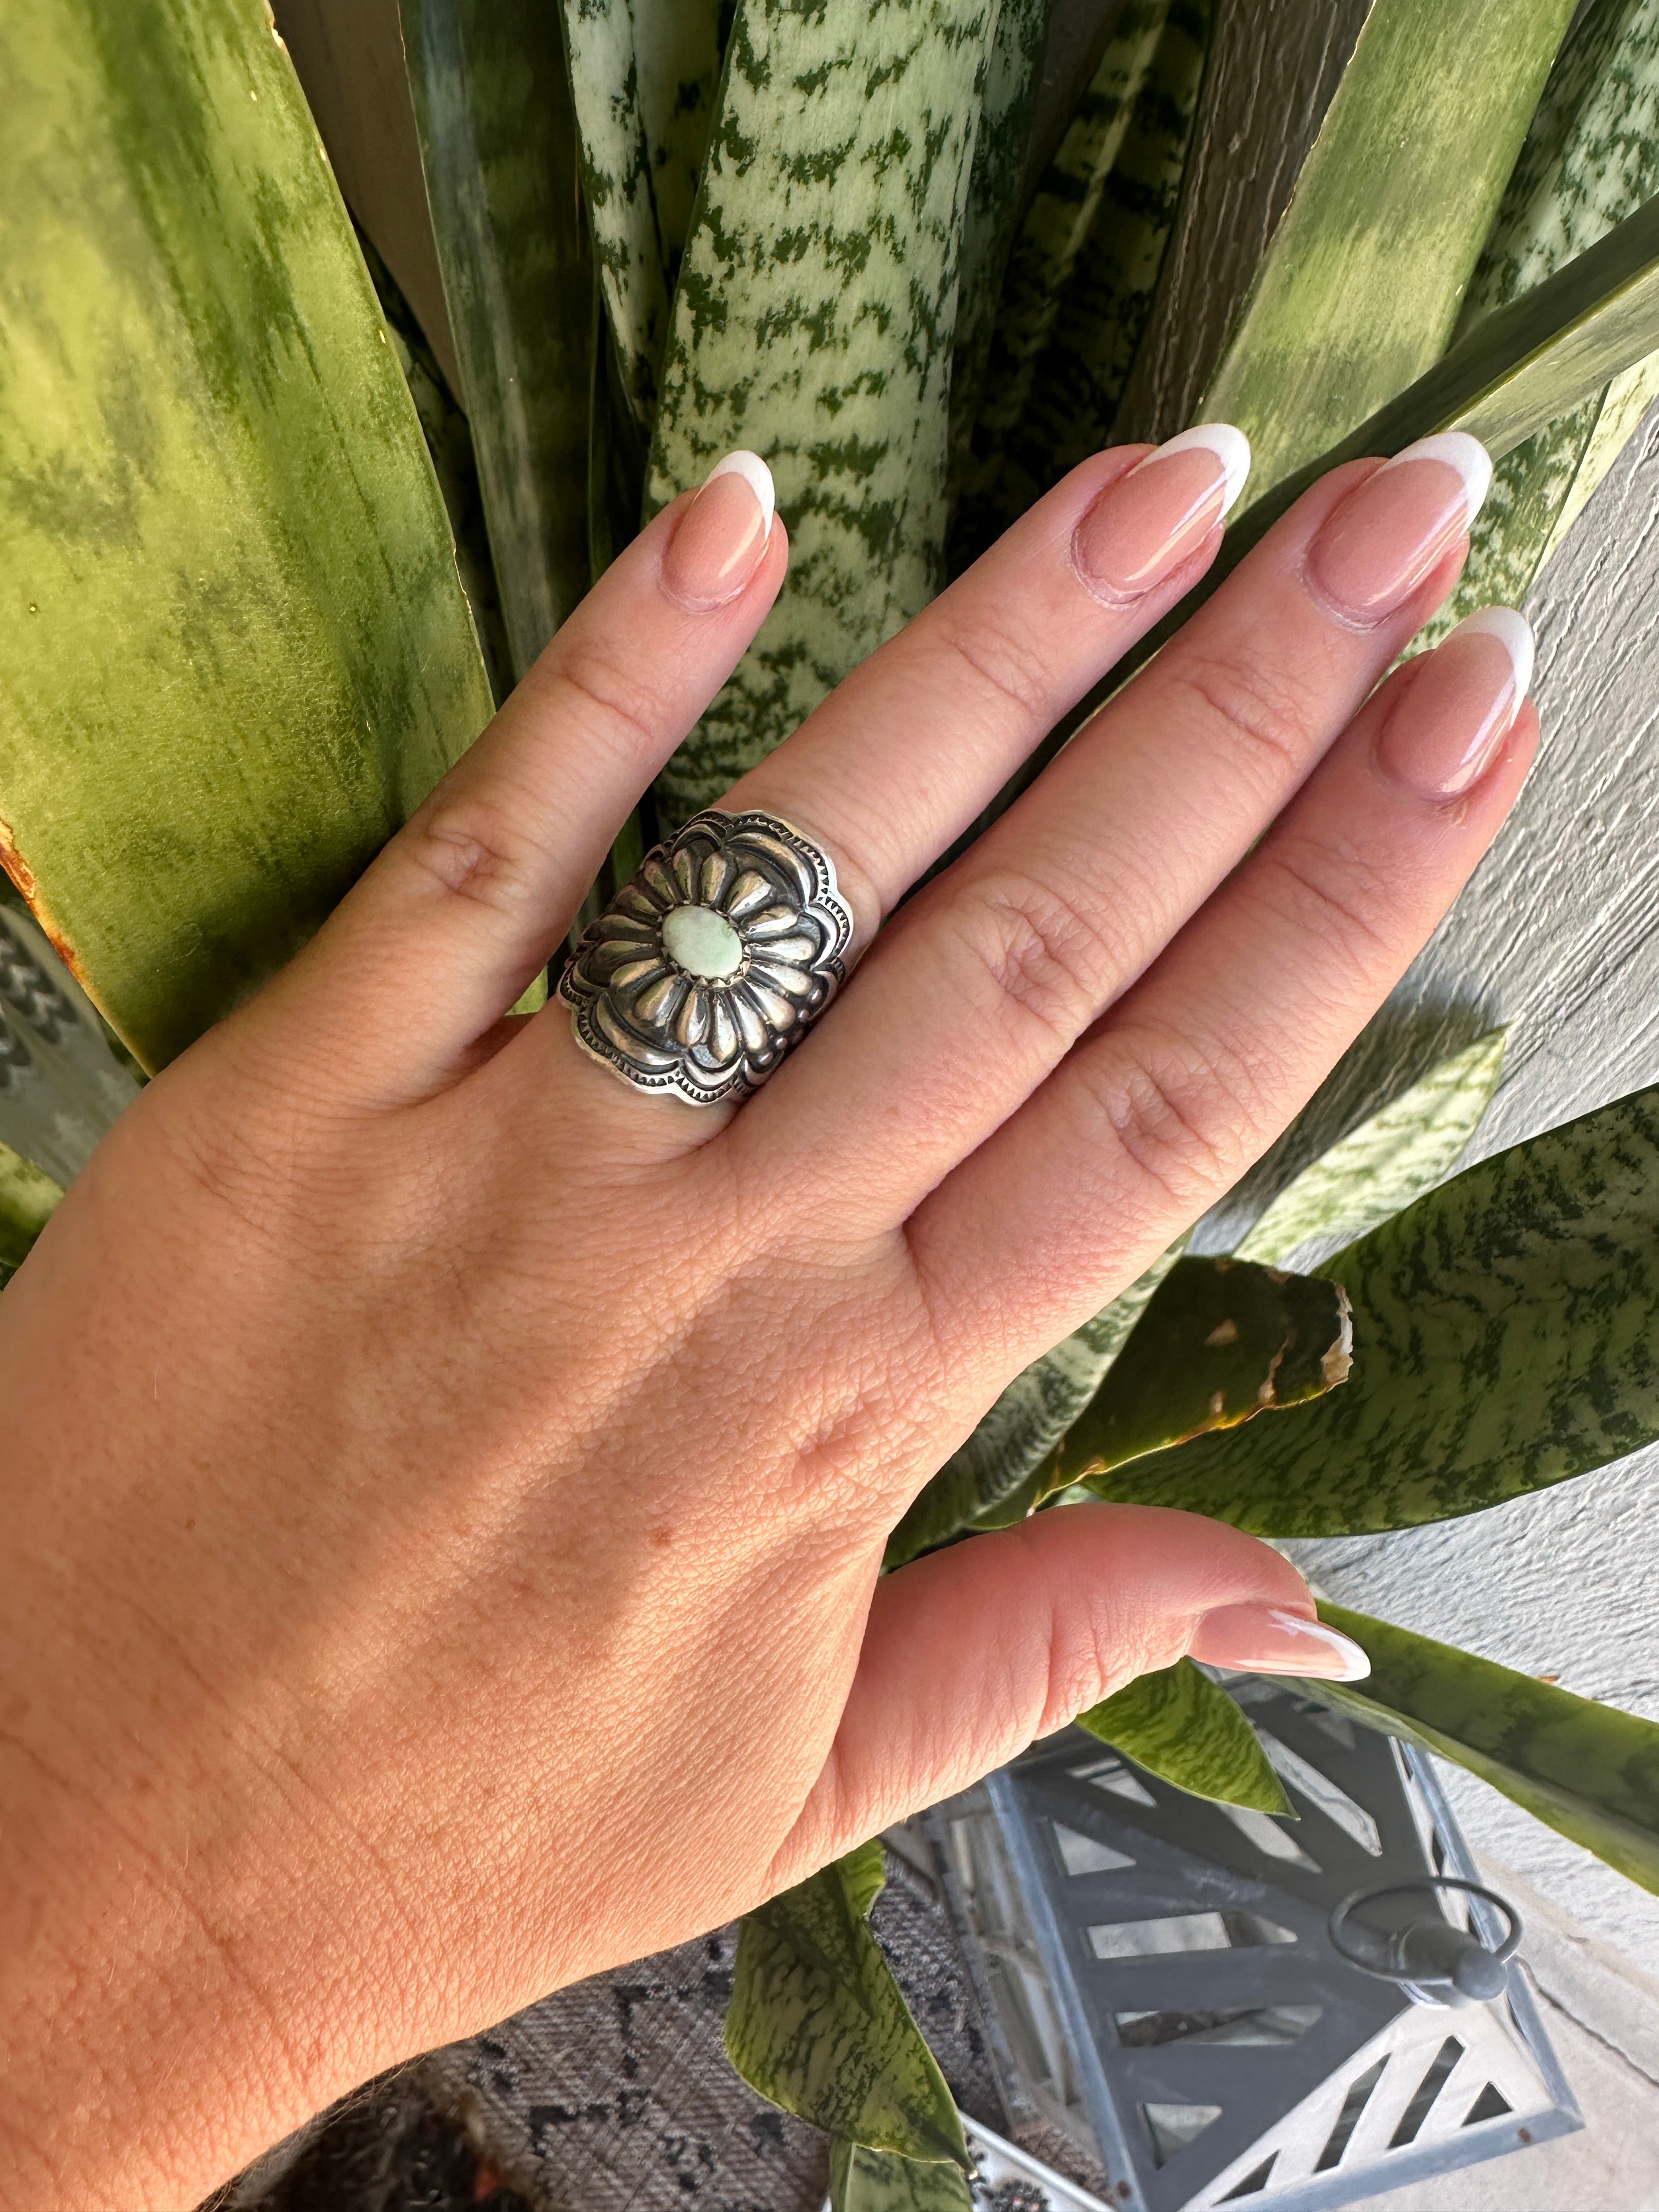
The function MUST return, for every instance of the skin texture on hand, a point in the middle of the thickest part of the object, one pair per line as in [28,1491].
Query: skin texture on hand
[445,1490]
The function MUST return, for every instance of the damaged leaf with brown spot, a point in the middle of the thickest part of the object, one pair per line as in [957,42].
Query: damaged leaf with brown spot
[1222,1340]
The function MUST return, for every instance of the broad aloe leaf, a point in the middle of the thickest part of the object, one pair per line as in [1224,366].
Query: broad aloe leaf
[874,2181]
[61,1086]
[643,78]
[1360,287]
[1591,158]
[1583,1768]
[241,654]
[1082,271]
[498,147]
[1403,1150]
[1506,1336]
[27,1196]
[1182,1727]
[817,2023]
[814,322]
[985,1483]
[1222,1341]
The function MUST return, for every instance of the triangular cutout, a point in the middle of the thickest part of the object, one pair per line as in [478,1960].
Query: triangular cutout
[1112,1776]
[1359,2096]
[1426,2093]
[1080,1854]
[1254,2182]
[1185,1931]
[1329,1797]
[1270,1837]
[1490,2105]
[1172,2127]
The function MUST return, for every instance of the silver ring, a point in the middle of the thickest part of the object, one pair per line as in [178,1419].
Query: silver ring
[713,962]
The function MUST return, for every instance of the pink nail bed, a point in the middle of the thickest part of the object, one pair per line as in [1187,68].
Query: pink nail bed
[1270,1639]
[1450,725]
[722,534]
[1374,549]
[1147,523]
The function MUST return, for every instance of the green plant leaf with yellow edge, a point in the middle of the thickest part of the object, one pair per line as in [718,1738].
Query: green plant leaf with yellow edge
[239,654]
[819,2025]
[1182,1727]
[1585,1769]
[863,2180]
[1403,1150]
[1221,1341]
[1505,1334]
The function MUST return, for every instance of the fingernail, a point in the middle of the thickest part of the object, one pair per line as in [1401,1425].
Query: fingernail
[1371,554]
[1445,733]
[1266,1639]
[1147,523]
[722,534]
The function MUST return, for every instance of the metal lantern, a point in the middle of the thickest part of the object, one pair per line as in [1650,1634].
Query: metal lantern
[1223,2006]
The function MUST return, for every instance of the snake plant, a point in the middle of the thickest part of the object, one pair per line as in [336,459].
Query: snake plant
[665,227]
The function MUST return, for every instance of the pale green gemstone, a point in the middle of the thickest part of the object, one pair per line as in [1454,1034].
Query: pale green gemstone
[700,941]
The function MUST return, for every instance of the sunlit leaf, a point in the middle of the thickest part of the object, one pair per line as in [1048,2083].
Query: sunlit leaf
[1182,1727]
[875,2181]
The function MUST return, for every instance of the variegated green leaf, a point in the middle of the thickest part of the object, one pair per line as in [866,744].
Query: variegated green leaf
[1506,1336]
[1182,1727]
[27,1196]
[817,2023]
[874,2181]
[1221,1341]
[643,77]
[61,1086]
[1084,267]
[1590,158]
[985,1483]
[1360,287]
[814,323]
[1583,1768]
[239,653]
[1403,1150]
[992,214]
[498,147]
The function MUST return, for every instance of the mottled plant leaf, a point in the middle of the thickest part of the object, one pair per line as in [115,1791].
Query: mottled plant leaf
[1506,1336]
[1581,1767]
[27,1196]
[240,654]
[498,147]
[1359,289]
[1221,1341]
[1082,269]
[817,2023]
[1590,158]
[987,1482]
[1182,1727]
[643,78]
[1403,1150]
[814,322]
[875,2181]
[61,1086]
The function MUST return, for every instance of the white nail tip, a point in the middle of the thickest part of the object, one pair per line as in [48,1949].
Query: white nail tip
[1230,445]
[1512,631]
[1355,1665]
[1460,451]
[756,474]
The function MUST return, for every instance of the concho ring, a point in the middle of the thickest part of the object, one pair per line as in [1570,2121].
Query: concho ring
[711,965]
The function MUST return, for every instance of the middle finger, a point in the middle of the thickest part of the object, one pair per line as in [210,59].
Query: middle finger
[982,987]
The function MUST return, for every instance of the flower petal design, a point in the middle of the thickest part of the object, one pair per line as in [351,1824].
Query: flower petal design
[702,1036]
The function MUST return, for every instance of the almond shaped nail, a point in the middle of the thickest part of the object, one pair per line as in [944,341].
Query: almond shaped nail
[1270,1639]
[1450,725]
[722,536]
[1143,527]
[1378,545]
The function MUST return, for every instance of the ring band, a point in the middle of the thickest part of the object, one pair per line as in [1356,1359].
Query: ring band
[713,962]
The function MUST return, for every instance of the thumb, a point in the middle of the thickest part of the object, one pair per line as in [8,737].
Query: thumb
[971,1654]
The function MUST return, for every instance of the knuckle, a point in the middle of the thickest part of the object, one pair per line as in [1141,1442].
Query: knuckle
[612,706]
[1270,716]
[1001,664]
[1048,961]
[1332,893]
[474,848]
[1187,1116]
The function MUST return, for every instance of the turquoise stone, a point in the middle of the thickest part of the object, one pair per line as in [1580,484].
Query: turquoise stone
[702,942]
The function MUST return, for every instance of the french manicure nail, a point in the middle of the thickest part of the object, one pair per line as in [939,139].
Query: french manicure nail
[1444,733]
[1147,523]
[1268,1639]
[1372,553]
[722,534]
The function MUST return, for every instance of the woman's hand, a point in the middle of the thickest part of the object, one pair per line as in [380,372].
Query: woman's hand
[444,1488]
